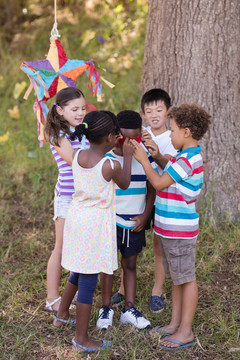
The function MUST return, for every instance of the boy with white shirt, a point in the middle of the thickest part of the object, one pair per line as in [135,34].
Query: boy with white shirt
[156,138]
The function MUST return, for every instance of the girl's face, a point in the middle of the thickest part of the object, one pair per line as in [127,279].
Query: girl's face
[74,111]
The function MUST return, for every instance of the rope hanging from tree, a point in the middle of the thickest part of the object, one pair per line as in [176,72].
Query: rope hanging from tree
[54,32]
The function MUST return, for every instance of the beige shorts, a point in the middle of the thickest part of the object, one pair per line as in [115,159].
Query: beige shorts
[179,259]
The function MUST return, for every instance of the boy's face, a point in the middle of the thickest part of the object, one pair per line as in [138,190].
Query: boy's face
[177,135]
[156,114]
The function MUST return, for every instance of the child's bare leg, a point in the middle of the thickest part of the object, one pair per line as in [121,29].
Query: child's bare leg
[106,288]
[129,279]
[54,265]
[172,327]
[121,288]
[159,274]
[83,313]
[67,297]
[188,303]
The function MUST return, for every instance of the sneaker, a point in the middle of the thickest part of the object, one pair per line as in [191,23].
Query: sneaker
[156,303]
[117,299]
[134,317]
[105,318]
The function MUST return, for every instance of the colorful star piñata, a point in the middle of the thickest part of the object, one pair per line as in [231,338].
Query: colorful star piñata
[54,73]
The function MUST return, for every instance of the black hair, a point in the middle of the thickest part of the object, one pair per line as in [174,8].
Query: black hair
[55,122]
[95,126]
[129,119]
[154,95]
[191,116]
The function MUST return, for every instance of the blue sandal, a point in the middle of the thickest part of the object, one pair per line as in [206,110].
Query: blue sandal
[67,322]
[181,344]
[106,344]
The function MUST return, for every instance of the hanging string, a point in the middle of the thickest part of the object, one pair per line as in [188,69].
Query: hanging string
[54,33]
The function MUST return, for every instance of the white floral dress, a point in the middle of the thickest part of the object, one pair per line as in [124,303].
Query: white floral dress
[89,244]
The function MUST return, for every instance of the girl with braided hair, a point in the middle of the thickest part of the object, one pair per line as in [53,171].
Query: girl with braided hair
[90,245]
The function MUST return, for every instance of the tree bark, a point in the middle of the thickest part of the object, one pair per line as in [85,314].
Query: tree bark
[192,51]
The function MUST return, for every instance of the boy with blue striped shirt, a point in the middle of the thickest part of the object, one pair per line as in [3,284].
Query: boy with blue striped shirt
[133,208]
[176,220]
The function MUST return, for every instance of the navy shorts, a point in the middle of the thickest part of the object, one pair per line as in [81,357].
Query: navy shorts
[130,243]
[86,284]
[150,222]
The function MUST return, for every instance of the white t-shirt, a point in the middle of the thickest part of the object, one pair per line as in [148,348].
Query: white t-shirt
[164,144]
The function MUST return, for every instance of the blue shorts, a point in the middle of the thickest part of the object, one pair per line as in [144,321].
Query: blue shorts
[130,243]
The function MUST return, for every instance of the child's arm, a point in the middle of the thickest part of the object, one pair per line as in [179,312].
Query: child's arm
[121,176]
[157,181]
[142,219]
[65,150]
[146,136]
[153,149]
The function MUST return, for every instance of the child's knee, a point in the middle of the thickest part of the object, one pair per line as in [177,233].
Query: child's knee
[130,264]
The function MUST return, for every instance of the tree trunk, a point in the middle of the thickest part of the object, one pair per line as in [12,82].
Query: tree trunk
[192,51]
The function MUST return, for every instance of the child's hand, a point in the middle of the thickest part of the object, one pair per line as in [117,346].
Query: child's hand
[152,148]
[140,222]
[128,147]
[139,152]
[146,136]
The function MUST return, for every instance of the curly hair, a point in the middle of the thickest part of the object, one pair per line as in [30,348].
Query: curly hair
[191,116]
[129,119]
[56,123]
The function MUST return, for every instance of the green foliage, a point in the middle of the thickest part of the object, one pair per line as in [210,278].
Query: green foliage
[28,176]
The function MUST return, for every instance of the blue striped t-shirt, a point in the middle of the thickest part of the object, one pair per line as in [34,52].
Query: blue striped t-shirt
[132,201]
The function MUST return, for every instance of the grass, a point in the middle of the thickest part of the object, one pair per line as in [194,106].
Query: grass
[26,329]
[28,176]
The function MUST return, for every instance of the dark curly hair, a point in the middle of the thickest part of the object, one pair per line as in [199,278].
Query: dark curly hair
[191,116]
[96,125]
[129,119]
[55,122]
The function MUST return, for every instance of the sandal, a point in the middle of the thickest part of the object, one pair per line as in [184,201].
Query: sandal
[49,305]
[67,322]
[157,331]
[106,344]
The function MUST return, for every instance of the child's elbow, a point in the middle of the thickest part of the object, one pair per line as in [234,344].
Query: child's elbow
[158,187]
[125,185]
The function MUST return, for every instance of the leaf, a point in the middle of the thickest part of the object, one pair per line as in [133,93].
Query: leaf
[4,137]
[87,36]
[18,89]
[14,113]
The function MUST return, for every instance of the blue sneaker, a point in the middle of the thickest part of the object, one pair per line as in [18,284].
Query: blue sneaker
[117,299]
[156,304]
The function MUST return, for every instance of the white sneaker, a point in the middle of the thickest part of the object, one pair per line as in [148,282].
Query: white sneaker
[134,317]
[105,318]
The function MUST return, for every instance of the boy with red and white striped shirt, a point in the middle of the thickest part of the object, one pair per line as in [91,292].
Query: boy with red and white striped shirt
[176,220]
